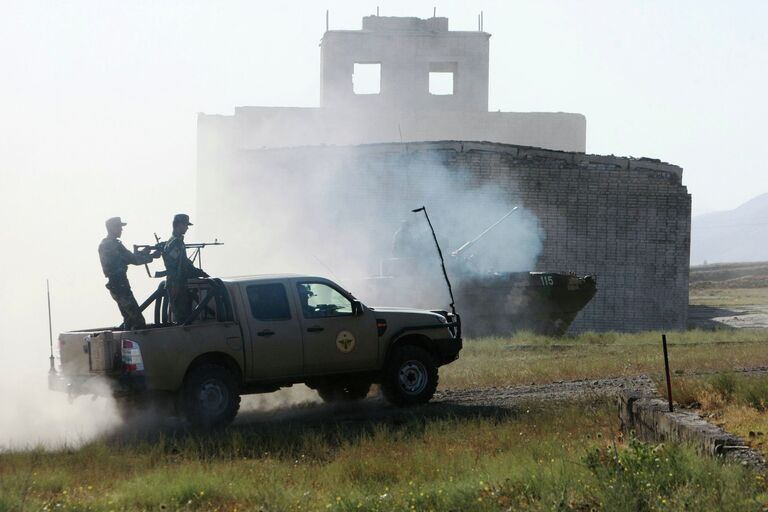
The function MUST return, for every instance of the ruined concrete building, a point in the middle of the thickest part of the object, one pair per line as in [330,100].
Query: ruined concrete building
[367,154]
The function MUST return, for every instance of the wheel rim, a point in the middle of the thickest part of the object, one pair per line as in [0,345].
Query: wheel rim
[413,377]
[213,397]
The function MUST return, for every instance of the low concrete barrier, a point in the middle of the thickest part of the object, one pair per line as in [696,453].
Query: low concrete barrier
[650,420]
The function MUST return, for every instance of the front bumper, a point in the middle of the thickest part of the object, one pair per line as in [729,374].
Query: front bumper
[447,350]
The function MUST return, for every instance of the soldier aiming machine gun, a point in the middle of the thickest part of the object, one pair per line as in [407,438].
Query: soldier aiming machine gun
[159,245]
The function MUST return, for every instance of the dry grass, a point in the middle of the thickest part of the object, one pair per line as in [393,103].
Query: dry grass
[727,297]
[738,403]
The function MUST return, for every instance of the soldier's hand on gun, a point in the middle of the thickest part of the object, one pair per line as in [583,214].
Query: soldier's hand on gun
[156,254]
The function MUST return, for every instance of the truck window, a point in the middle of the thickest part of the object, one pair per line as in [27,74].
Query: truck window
[269,302]
[319,300]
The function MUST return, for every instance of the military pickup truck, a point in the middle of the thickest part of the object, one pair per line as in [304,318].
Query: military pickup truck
[256,335]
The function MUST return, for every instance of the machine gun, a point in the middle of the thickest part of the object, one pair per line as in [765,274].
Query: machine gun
[197,256]
[481,235]
[159,245]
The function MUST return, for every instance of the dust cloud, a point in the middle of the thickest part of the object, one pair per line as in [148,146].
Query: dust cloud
[69,161]
[319,220]
[298,394]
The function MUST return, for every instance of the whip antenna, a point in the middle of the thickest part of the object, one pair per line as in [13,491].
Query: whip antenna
[440,253]
[50,328]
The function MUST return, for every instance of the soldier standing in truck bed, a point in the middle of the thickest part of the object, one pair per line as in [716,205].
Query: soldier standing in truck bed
[115,259]
[179,268]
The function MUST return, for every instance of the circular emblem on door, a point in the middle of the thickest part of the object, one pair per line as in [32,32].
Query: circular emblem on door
[345,342]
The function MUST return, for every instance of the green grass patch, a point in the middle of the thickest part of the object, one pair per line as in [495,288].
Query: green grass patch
[564,458]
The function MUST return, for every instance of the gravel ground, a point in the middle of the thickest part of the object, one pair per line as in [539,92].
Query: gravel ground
[494,401]
[557,391]
[754,316]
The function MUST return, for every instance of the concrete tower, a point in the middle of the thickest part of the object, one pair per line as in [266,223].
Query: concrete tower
[408,54]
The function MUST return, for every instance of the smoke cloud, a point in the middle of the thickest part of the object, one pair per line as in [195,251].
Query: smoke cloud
[334,212]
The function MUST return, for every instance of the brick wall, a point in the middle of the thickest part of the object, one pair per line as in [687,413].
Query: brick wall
[625,220]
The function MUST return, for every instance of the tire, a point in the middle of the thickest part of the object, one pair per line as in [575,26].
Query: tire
[211,396]
[344,392]
[410,377]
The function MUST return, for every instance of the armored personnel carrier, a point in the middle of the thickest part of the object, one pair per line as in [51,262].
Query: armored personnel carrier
[493,303]
[542,302]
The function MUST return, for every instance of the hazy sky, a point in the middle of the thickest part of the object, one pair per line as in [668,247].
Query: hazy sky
[98,89]
[98,102]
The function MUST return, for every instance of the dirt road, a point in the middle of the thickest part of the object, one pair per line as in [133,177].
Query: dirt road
[500,400]
[495,401]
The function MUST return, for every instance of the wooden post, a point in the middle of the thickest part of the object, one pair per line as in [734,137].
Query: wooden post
[666,370]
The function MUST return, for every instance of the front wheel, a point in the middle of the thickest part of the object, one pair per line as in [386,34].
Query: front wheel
[410,376]
[211,396]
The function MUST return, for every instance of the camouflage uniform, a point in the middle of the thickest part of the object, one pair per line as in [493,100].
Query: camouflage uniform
[179,268]
[115,259]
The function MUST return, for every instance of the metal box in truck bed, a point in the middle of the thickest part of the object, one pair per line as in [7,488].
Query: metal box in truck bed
[103,351]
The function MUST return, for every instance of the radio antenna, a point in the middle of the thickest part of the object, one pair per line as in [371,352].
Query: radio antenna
[440,253]
[50,328]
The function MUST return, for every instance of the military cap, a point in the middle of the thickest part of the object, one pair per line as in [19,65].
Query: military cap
[181,218]
[114,222]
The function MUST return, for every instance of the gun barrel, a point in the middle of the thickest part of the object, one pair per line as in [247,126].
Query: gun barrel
[201,244]
[481,235]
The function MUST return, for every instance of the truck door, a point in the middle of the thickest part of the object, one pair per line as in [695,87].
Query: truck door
[335,338]
[276,345]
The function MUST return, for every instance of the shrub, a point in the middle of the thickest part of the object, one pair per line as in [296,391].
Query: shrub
[637,478]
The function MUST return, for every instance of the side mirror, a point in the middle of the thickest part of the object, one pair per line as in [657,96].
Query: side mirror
[357,308]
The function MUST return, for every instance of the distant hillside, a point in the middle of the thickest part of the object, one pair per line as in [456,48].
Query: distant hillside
[735,235]
[730,275]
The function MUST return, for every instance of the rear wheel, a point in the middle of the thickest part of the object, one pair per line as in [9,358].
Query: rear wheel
[410,377]
[211,396]
[344,392]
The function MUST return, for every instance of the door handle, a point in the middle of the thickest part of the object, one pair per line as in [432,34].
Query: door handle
[265,333]
[315,328]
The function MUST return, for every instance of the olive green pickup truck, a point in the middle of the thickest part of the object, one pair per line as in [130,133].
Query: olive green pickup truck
[256,335]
